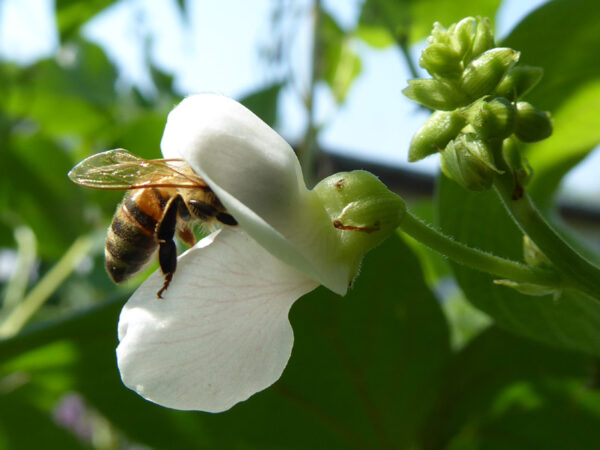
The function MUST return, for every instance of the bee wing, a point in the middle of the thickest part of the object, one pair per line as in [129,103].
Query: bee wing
[120,170]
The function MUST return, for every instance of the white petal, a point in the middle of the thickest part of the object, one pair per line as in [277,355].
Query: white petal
[221,332]
[257,176]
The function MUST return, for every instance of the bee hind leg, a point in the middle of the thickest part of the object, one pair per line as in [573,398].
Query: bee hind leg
[167,251]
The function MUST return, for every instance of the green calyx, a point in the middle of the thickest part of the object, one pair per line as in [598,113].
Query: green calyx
[492,119]
[363,211]
[469,161]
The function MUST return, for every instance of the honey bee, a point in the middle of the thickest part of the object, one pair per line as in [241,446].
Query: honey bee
[164,197]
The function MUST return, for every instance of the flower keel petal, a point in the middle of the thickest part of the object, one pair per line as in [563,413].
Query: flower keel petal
[220,334]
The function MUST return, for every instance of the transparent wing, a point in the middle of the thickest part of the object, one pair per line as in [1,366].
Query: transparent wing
[120,170]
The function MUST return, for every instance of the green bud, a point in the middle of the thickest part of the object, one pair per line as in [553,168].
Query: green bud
[519,81]
[435,94]
[361,208]
[439,35]
[531,289]
[434,135]
[462,35]
[469,161]
[492,119]
[482,74]
[532,124]
[441,60]
[511,154]
[484,38]
[533,255]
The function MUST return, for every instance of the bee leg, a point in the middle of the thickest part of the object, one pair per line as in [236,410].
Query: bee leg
[167,251]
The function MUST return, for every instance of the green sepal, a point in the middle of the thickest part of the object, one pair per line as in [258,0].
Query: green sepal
[532,124]
[518,81]
[469,161]
[493,118]
[435,94]
[484,73]
[435,134]
[362,209]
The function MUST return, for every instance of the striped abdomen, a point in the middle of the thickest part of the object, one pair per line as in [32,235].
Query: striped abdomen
[131,239]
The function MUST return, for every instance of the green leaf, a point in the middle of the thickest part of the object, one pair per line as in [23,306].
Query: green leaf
[498,377]
[569,89]
[479,220]
[363,373]
[263,103]
[384,22]
[338,64]
[72,14]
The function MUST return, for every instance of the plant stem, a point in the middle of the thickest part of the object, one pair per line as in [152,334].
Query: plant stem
[309,150]
[22,312]
[478,259]
[573,266]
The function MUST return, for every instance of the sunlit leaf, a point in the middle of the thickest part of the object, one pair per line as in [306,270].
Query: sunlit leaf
[412,20]
[569,89]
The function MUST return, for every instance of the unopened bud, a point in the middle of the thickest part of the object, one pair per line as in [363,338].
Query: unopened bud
[439,35]
[536,290]
[532,124]
[518,81]
[462,35]
[533,255]
[434,135]
[441,60]
[492,119]
[435,94]
[482,74]
[469,161]
[484,38]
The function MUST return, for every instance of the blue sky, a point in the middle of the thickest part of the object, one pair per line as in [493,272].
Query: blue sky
[214,49]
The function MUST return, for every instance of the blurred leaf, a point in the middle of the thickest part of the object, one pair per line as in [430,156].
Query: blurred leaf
[383,23]
[363,373]
[263,103]
[569,89]
[499,377]
[40,194]
[479,220]
[72,14]
[70,95]
[338,64]
[24,426]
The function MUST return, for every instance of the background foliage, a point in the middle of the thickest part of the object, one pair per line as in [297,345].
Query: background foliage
[404,361]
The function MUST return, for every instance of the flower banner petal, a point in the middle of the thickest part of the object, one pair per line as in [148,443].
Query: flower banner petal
[257,176]
[220,334]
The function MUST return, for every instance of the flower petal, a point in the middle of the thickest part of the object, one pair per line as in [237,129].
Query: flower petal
[220,334]
[257,176]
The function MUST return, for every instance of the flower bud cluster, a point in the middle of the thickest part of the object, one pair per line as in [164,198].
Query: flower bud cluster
[475,92]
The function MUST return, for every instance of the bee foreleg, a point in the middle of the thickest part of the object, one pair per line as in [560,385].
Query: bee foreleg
[167,251]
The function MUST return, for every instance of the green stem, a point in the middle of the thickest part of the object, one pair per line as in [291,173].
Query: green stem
[478,259]
[21,313]
[573,266]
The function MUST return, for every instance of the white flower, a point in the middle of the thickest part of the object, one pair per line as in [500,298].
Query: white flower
[221,333]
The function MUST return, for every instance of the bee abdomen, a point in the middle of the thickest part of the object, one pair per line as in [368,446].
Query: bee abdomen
[128,247]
